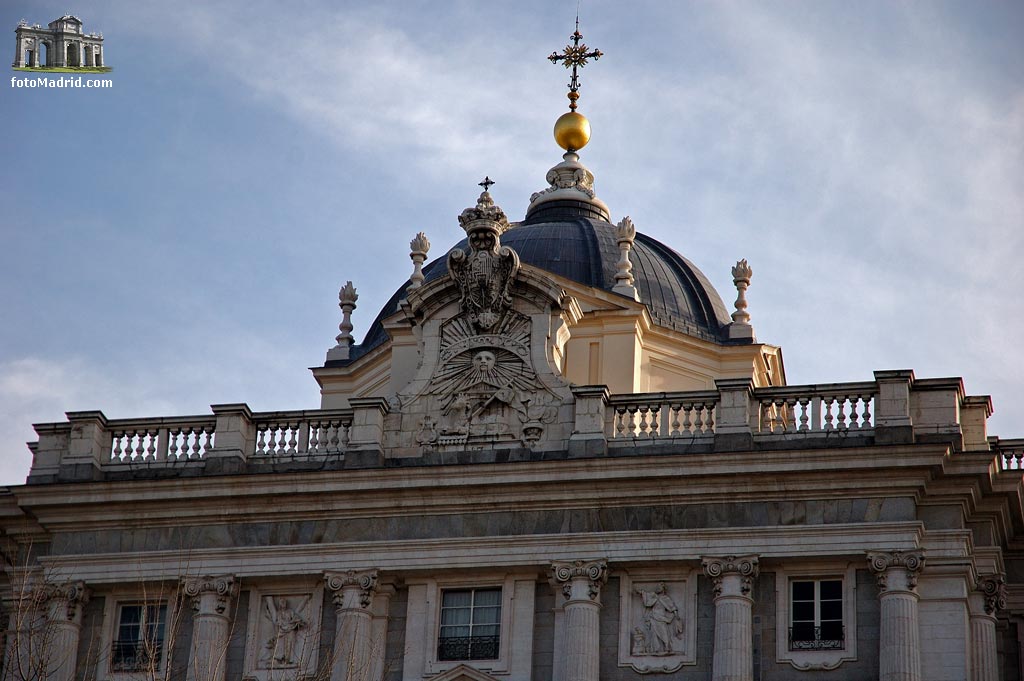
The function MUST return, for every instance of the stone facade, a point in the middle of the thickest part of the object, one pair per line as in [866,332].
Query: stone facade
[62,43]
[489,492]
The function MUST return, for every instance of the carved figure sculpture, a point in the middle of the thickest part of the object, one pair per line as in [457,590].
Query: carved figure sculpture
[279,648]
[661,619]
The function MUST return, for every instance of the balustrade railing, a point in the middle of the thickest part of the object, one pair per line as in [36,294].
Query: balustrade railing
[301,433]
[662,415]
[842,407]
[161,440]
[1011,454]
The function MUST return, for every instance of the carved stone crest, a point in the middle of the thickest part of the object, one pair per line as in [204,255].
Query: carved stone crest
[485,272]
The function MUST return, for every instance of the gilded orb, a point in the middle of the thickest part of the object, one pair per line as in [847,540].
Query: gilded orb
[572,131]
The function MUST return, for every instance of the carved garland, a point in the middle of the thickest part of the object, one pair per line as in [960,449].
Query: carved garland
[746,567]
[223,587]
[365,581]
[595,572]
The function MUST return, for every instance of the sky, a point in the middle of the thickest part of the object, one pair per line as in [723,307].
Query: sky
[178,240]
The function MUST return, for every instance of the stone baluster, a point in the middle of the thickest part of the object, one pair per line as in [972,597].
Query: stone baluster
[985,603]
[899,655]
[625,233]
[733,580]
[354,646]
[419,247]
[211,604]
[64,604]
[581,583]
[347,298]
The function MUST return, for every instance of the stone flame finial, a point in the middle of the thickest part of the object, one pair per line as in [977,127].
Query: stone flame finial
[625,233]
[347,298]
[419,247]
[740,327]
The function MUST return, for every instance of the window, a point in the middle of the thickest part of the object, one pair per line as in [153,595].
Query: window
[139,637]
[470,624]
[816,614]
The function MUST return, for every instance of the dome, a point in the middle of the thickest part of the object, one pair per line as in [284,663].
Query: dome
[575,240]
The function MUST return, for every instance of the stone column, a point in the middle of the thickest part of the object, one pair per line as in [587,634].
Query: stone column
[581,583]
[733,580]
[211,604]
[63,625]
[986,602]
[353,640]
[899,654]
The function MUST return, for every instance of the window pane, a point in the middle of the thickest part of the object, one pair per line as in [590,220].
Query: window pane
[485,630]
[455,615]
[456,599]
[831,610]
[803,632]
[803,591]
[454,632]
[486,615]
[832,589]
[803,612]
[488,597]
[832,631]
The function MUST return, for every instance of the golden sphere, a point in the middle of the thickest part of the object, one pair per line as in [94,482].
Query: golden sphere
[572,131]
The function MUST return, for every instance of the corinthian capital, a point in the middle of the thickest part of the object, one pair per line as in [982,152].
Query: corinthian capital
[743,570]
[352,588]
[993,590]
[210,595]
[886,563]
[580,579]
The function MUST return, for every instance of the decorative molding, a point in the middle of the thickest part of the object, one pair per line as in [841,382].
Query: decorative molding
[882,561]
[807,660]
[594,572]
[744,567]
[363,581]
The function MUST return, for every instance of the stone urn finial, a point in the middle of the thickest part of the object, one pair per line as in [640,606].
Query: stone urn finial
[740,327]
[625,233]
[347,298]
[418,248]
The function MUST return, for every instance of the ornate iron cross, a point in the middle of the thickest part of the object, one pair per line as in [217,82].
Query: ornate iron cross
[486,184]
[575,56]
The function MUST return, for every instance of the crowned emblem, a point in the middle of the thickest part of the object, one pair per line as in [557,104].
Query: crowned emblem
[485,272]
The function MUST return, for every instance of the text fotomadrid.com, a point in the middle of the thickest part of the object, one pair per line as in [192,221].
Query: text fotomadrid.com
[63,81]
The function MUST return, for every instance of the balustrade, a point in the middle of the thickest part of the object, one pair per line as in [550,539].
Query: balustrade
[161,440]
[841,407]
[304,433]
[662,415]
[1011,454]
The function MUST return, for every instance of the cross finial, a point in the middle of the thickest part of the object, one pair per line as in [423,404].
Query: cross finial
[486,184]
[575,56]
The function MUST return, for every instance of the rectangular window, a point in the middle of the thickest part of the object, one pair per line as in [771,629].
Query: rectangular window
[139,638]
[470,624]
[816,614]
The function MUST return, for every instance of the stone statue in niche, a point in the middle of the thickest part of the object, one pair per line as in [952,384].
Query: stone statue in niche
[285,625]
[660,624]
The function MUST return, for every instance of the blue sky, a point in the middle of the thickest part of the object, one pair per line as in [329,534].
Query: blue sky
[179,240]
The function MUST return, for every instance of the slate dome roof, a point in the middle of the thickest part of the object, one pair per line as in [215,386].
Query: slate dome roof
[575,240]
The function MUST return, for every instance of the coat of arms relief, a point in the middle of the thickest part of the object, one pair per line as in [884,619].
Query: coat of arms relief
[484,383]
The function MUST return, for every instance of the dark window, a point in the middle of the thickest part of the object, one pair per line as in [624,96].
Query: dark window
[139,638]
[816,615]
[470,624]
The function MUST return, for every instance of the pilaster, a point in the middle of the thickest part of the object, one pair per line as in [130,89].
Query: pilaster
[211,598]
[899,655]
[733,580]
[581,583]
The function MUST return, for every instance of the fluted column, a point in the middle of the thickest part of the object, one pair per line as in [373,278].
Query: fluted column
[581,583]
[733,579]
[353,593]
[986,602]
[63,626]
[899,645]
[211,604]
